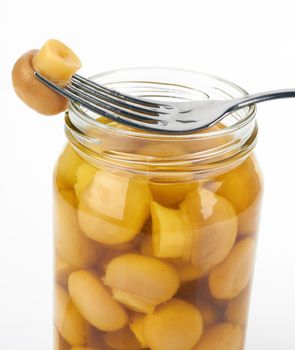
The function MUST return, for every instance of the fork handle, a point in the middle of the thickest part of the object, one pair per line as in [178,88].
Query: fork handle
[261,97]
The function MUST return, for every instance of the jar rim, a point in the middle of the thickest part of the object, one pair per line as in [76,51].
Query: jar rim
[86,118]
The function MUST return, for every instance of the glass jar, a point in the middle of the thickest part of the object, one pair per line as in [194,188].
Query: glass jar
[155,235]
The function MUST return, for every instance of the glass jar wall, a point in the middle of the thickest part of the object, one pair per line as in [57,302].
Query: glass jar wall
[155,235]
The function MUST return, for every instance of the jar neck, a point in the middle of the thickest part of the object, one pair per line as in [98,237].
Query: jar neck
[211,152]
[109,144]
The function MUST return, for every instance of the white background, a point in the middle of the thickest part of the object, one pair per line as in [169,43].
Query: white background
[249,42]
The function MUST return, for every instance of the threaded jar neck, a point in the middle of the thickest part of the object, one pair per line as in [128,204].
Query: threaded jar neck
[111,145]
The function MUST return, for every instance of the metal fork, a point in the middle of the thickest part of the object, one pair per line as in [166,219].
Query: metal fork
[172,118]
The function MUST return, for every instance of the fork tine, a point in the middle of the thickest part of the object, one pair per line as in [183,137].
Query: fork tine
[96,106]
[127,120]
[115,94]
[88,89]
[97,102]
[57,88]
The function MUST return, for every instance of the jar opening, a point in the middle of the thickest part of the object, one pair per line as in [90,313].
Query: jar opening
[111,141]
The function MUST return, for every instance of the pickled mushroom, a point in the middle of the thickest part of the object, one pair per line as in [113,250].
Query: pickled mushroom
[95,303]
[140,282]
[171,232]
[72,245]
[67,166]
[136,326]
[242,186]
[69,322]
[55,61]
[231,277]
[84,175]
[175,325]
[114,208]
[215,227]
